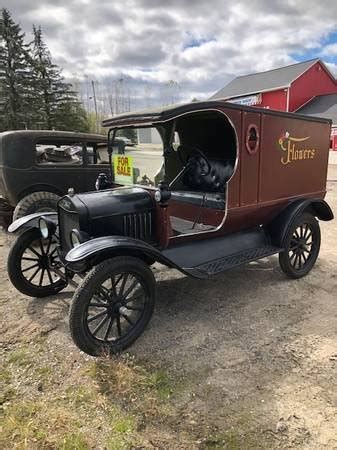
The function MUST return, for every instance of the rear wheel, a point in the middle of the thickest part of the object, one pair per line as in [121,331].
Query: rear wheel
[112,306]
[36,202]
[301,246]
[30,263]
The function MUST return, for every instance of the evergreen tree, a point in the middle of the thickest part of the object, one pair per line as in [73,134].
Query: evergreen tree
[58,107]
[16,88]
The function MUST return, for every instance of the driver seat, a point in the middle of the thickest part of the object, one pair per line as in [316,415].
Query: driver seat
[215,180]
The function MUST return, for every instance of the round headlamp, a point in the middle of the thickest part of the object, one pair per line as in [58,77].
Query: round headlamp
[44,229]
[47,227]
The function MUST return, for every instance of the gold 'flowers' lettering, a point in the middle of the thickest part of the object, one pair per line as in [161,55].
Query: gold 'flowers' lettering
[293,151]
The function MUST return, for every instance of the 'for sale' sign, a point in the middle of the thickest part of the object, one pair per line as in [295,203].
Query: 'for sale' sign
[123,169]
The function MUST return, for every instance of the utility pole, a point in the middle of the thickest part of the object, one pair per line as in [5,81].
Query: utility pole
[95,103]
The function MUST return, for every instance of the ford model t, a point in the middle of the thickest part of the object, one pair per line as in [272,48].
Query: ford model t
[234,184]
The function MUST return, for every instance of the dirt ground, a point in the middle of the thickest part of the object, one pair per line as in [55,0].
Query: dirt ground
[246,360]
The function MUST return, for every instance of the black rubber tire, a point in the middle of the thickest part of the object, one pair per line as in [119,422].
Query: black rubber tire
[15,274]
[40,201]
[79,329]
[284,258]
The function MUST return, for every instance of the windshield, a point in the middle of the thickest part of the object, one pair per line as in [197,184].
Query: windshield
[138,156]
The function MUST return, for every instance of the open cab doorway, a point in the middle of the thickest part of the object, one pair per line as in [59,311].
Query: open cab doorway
[195,157]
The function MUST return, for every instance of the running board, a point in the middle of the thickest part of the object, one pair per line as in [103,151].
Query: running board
[202,259]
[228,262]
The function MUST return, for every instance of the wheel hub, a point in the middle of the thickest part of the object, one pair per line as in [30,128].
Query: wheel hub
[302,244]
[44,261]
[114,309]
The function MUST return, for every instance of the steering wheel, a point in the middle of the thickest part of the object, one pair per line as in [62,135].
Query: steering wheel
[197,151]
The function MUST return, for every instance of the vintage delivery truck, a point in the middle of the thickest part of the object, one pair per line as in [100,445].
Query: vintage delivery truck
[235,184]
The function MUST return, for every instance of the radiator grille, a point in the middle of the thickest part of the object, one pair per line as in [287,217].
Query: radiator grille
[138,226]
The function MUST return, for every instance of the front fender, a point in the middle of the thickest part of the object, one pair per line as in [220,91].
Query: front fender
[279,226]
[96,250]
[30,221]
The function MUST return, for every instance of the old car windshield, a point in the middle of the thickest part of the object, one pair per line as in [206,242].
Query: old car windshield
[138,156]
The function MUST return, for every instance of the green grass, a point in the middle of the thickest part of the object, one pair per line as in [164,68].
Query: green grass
[125,378]
[31,424]
[20,358]
[7,394]
[72,441]
[120,443]
[123,425]
[79,395]
[108,403]
[5,376]
[44,372]
[161,383]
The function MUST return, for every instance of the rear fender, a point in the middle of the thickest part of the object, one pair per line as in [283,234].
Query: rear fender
[280,224]
[92,252]
[31,221]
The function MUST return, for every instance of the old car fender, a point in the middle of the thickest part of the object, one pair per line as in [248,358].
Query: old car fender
[31,221]
[92,252]
[281,223]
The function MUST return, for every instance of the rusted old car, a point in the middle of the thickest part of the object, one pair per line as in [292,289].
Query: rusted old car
[38,166]
[234,184]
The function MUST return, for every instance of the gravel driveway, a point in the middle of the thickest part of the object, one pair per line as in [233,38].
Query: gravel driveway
[251,354]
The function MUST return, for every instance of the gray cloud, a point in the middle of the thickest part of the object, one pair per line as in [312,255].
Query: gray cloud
[201,45]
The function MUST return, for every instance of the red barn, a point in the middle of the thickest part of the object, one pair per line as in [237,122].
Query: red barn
[287,88]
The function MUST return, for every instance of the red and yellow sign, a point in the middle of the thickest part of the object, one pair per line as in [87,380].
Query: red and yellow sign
[123,169]
[293,150]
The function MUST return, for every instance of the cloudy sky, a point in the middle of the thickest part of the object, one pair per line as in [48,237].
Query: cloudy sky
[199,44]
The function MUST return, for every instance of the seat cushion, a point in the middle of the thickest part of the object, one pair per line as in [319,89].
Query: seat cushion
[214,181]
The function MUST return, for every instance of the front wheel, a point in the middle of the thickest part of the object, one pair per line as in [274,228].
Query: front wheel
[30,263]
[301,246]
[112,306]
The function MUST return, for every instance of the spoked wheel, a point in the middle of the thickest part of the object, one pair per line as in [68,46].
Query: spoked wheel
[112,306]
[302,244]
[30,263]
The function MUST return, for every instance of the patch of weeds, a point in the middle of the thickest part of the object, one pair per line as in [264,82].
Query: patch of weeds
[140,396]
[120,443]
[161,383]
[6,390]
[5,376]
[7,394]
[126,380]
[44,373]
[231,440]
[29,424]
[228,440]
[79,395]
[74,441]
[234,440]
[39,342]
[20,358]
[124,425]
[18,425]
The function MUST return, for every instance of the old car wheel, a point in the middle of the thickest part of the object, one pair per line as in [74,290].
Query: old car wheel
[301,246]
[112,306]
[36,202]
[29,265]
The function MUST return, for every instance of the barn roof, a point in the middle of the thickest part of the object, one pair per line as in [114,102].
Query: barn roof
[321,106]
[264,81]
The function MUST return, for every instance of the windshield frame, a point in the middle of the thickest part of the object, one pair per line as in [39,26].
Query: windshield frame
[162,130]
